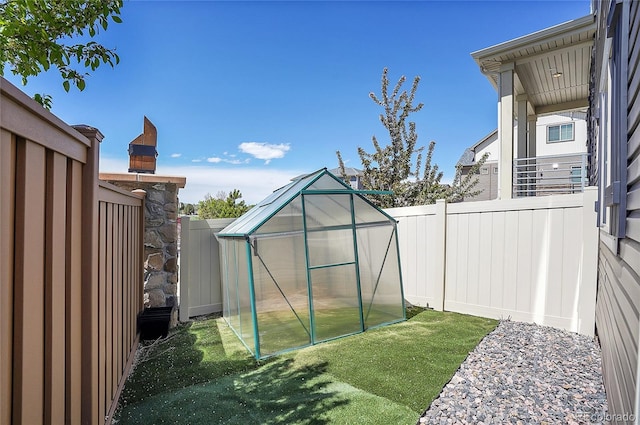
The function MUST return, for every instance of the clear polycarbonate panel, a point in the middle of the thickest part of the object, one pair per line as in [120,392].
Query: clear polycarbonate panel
[330,247]
[282,297]
[244,295]
[327,210]
[327,182]
[336,306]
[266,292]
[262,211]
[288,219]
[380,281]
[224,283]
[230,278]
[367,213]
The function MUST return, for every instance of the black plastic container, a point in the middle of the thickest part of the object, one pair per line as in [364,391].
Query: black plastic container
[153,322]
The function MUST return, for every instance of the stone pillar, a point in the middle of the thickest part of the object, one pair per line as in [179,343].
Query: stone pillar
[160,233]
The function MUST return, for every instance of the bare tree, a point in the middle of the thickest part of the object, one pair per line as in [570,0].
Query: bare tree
[391,167]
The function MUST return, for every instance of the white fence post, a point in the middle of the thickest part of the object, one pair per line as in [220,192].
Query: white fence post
[588,284]
[184,268]
[440,245]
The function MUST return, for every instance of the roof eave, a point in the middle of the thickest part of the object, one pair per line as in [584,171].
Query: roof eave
[488,59]
[537,37]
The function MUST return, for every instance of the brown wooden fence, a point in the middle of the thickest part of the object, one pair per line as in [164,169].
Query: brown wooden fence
[70,270]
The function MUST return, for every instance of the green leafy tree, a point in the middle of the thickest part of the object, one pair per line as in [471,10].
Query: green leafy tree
[222,206]
[187,209]
[391,167]
[36,35]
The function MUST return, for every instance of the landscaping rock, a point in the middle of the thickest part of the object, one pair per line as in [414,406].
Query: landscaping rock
[155,281]
[524,373]
[154,262]
[156,298]
[152,239]
[171,265]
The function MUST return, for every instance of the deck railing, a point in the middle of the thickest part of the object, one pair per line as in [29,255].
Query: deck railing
[70,270]
[550,175]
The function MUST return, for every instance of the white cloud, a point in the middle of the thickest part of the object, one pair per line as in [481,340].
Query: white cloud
[255,184]
[266,151]
[217,160]
[196,160]
[237,161]
[176,155]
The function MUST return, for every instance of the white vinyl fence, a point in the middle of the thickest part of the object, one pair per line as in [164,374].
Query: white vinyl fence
[200,285]
[530,259]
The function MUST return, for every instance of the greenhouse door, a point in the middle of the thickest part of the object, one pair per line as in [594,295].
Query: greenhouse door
[332,269]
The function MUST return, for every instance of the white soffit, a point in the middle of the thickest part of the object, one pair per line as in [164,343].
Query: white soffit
[563,50]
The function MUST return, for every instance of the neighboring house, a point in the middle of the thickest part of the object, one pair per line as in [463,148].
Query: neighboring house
[614,135]
[354,176]
[593,64]
[559,167]
[488,173]
[542,80]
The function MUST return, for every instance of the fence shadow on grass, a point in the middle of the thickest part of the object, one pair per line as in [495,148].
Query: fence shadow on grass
[193,353]
[277,393]
[197,376]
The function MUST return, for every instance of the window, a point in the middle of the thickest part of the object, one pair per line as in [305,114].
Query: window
[495,170]
[560,133]
[484,170]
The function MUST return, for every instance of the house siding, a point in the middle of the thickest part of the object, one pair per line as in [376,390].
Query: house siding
[487,183]
[617,324]
[618,296]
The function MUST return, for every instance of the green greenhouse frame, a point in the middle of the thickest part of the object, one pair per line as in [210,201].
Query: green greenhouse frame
[314,261]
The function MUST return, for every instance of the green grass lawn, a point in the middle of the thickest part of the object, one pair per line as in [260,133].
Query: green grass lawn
[202,374]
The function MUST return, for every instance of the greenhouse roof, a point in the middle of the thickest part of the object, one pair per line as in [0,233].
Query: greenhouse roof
[268,207]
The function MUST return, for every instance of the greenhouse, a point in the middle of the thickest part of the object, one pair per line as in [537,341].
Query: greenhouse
[313,261]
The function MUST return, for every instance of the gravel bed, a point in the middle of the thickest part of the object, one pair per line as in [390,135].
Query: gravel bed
[523,373]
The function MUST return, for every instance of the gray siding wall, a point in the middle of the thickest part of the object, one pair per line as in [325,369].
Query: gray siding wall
[618,297]
[487,183]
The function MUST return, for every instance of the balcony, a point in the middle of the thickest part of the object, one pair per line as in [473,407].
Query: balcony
[550,175]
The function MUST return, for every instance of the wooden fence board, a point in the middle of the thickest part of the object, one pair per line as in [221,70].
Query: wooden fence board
[56,183]
[73,298]
[67,318]
[28,370]
[103,401]
[23,116]
[7,201]
[110,345]
[126,279]
[118,299]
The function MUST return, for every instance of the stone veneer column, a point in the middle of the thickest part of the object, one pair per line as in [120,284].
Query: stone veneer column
[160,233]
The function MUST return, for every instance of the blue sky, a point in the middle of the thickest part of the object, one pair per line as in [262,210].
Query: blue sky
[247,95]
